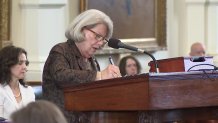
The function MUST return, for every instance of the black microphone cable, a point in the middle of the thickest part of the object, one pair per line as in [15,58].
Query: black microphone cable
[204,70]
[215,67]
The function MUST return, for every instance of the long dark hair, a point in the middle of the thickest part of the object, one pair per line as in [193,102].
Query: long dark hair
[9,56]
[122,64]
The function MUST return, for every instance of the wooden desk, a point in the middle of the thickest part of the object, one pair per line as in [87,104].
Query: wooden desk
[152,98]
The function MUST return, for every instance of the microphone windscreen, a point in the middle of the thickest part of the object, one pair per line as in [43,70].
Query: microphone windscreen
[114,43]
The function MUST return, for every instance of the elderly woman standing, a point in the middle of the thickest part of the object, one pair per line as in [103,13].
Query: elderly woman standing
[71,62]
[14,93]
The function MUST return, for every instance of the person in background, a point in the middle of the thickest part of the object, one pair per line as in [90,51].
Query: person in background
[197,49]
[14,93]
[129,66]
[40,111]
[71,63]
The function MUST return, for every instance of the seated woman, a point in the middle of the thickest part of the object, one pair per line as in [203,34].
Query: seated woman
[14,93]
[129,66]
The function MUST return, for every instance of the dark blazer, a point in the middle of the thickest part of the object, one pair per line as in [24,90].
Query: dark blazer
[65,66]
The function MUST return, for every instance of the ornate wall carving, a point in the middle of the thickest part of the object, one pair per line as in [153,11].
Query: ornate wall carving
[5,6]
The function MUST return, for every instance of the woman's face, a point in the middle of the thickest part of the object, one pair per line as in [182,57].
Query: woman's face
[19,70]
[131,67]
[94,40]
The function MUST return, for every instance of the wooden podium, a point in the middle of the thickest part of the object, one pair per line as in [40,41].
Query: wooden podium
[181,64]
[147,98]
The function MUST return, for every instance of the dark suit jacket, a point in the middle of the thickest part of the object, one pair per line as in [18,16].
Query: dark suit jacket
[65,67]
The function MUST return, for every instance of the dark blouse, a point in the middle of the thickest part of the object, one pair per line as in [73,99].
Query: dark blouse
[65,66]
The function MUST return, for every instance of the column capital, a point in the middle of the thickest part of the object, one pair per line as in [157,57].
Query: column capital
[42,3]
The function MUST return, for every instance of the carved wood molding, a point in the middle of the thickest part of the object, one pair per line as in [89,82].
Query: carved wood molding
[5,6]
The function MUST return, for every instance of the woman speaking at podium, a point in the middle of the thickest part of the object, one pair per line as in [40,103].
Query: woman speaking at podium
[71,62]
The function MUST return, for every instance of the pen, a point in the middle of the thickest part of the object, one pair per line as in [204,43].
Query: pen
[111,60]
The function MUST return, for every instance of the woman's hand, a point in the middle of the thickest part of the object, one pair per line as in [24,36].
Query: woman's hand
[111,71]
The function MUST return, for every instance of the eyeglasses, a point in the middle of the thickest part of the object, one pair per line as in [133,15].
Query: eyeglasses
[131,65]
[99,37]
[23,61]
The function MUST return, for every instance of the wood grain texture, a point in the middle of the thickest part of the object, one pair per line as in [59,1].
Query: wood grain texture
[169,65]
[150,98]
[118,94]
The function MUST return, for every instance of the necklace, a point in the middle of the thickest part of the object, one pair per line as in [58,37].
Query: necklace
[18,95]
[15,88]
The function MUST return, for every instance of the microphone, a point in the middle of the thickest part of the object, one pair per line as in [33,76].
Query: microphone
[116,44]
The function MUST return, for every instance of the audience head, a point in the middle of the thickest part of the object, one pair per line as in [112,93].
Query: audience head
[40,111]
[13,64]
[197,49]
[129,65]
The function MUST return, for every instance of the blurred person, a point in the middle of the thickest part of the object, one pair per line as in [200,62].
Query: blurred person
[71,62]
[129,66]
[14,93]
[197,49]
[40,111]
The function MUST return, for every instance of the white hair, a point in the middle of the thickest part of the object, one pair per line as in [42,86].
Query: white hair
[90,18]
